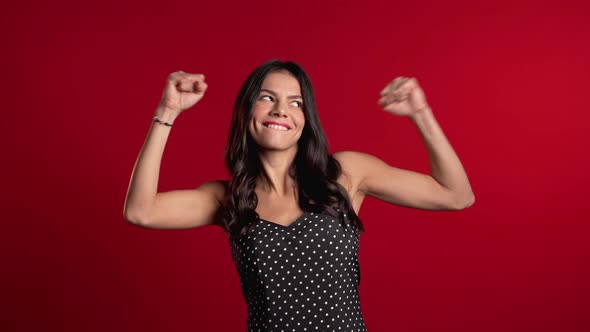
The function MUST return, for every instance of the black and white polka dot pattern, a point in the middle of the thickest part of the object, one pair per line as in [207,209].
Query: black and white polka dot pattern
[300,277]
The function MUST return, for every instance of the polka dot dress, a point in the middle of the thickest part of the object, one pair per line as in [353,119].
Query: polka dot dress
[300,277]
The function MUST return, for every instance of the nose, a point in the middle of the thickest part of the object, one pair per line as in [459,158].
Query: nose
[278,110]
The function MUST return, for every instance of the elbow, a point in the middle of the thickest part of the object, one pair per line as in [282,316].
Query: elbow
[135,218]
[470,201]
[135,214]
[464,202]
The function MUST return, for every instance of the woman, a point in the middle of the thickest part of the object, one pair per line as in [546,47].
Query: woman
[289,208]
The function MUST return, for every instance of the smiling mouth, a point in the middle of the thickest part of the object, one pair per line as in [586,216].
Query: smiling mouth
[276,127]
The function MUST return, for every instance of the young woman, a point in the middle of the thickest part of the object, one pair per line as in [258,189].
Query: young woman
[289,208]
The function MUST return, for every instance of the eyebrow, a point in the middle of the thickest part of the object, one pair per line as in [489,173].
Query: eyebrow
[274,94]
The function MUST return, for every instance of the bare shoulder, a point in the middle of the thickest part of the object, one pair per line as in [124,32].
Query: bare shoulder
[351,158]
[353,165]
[358,166]
[218,190]
[354,162]
[216,187]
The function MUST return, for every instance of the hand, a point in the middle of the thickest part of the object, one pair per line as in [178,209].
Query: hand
[403,96]
[182,91]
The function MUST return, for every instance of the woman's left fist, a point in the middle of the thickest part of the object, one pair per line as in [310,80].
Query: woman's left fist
[403,96]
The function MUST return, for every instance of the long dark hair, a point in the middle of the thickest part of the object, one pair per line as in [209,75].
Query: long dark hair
[315,171]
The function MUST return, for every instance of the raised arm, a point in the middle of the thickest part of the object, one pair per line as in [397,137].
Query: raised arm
[146,207]
[446,188]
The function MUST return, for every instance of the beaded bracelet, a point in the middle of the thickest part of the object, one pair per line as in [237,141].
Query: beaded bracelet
[162,122]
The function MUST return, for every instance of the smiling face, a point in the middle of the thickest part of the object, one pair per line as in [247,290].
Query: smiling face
[277,117]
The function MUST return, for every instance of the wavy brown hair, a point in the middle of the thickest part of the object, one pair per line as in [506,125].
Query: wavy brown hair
[314,170]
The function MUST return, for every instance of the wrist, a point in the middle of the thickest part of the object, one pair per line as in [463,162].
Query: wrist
[421,112]
[166,114]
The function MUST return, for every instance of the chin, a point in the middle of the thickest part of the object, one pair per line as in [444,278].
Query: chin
[275,146]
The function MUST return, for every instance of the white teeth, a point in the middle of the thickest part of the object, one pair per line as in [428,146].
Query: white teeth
[273,126]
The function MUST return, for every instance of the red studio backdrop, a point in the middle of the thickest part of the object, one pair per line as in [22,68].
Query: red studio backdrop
[507,81]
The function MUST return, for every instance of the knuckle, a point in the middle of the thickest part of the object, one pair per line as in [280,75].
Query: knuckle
[172,76]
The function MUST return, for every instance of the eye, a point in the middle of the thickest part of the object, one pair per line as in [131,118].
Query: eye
[297,103]
[265,97]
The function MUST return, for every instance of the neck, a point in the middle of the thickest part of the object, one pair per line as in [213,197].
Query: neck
[275,177]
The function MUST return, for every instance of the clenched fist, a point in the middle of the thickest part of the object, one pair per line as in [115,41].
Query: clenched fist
[182,91]
[403,96]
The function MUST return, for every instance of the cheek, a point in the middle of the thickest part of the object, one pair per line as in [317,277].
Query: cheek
[259,107]
[251,127]
[258,112]
[301,119]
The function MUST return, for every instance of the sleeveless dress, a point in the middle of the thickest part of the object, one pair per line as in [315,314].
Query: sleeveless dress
[300,277]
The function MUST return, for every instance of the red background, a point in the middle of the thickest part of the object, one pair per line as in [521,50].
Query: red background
[507,82]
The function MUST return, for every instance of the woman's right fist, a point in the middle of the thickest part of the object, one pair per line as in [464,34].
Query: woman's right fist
[183,90]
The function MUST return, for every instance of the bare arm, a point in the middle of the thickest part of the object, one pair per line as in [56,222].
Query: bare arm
[179,208]
[446,168]
[446,188]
